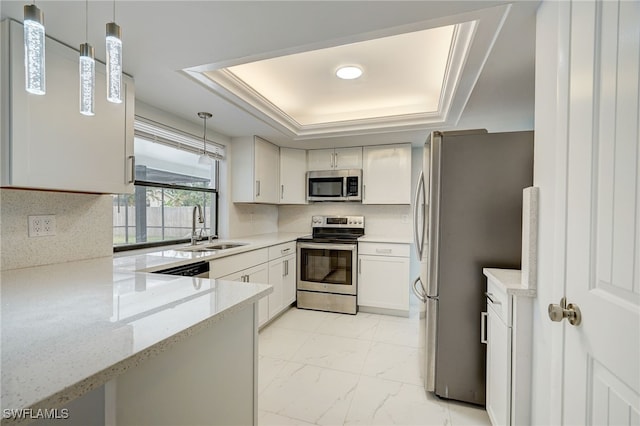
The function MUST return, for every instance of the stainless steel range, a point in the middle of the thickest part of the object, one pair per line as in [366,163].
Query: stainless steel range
[327,264]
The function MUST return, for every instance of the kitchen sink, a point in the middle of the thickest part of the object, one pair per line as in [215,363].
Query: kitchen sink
[211,248]
[224,246]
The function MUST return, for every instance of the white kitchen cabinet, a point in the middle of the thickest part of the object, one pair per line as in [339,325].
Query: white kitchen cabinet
[257,274]
[46,142]
[293,170]
[509,347]
[334,159]
[289,280]
[383,277]
[282,273]
[255,173]
[274,265]
[251,266]
[386,174]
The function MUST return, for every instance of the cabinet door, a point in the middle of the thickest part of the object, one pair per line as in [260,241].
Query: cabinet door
[379,163]
[260,274]
[266,159]
[348,158]
[320,159]
[498,369]
[293,170]
[289,280]
[383,282]
[49,144]
[276,278]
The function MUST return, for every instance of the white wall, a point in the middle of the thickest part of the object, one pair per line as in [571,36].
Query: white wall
[549,161]
[392,220]
[83,227]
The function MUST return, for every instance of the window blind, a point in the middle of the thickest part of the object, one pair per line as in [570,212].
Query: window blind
[159,133]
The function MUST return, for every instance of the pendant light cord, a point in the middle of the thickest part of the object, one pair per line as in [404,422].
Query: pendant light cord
[114,10]
[204,139]
[86,21]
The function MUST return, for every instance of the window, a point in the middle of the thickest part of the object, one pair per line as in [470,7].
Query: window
[169,183]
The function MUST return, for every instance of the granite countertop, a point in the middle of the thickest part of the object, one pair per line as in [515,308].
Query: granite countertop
[68,328]
[159,258]
[510,280]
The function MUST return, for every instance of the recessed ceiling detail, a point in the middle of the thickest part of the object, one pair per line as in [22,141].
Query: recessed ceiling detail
[413,79]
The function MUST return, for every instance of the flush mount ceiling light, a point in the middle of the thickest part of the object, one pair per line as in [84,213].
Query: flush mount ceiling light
[114,60]
[204,158]
[350,72]
[87,71]
[34,50]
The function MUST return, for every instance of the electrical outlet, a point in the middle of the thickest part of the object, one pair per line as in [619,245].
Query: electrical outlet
[405,218]
[42,226]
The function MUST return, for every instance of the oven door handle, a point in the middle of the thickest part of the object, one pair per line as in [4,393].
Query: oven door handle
[328,246]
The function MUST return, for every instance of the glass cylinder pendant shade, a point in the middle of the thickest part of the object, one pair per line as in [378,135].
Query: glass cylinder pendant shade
[114,63]
[34,43]
[87,79]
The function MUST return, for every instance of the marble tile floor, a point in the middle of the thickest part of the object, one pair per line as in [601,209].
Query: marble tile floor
[319,368]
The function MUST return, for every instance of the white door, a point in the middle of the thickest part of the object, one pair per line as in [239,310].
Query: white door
[602,354]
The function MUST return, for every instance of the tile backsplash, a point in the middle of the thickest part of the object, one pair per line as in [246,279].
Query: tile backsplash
[83,227]
[381,220]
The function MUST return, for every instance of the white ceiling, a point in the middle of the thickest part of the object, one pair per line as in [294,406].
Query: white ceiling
[163,38]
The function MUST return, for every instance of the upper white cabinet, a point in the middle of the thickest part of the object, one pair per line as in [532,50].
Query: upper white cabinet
[386,174]
[293,170]
[255,171]
[334,159]
[46,142]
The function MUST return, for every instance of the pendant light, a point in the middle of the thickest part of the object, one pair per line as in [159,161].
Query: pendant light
[114,60]
[34,43]
[87,72]
[204,158]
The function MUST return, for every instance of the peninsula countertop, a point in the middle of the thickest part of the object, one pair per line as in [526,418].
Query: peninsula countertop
[68,328]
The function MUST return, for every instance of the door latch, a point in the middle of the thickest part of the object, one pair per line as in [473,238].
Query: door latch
[570,311]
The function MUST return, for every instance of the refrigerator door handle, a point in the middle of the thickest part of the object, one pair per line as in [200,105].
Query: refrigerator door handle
[417,240]
[430,344]
[420,294]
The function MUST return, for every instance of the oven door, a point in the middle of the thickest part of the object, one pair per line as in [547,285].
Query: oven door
[327,268]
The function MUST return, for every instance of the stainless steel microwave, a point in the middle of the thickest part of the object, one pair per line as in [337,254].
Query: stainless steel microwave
[334,185]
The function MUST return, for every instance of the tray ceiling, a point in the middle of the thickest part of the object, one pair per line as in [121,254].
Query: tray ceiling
[412,78]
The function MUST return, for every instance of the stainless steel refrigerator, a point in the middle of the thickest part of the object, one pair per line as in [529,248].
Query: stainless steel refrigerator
[467,216]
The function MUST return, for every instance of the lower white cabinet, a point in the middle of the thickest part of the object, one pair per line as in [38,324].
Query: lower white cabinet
[282,273]
[282,276]
[275,265]
[256,274]
[383,277]
[509,346]
[498,368]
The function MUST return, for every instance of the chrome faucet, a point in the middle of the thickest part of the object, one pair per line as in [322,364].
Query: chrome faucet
[194,235]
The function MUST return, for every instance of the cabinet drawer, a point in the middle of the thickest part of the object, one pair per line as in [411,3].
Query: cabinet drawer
[384,249]
[230,264]
[282,250]
[498,299]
